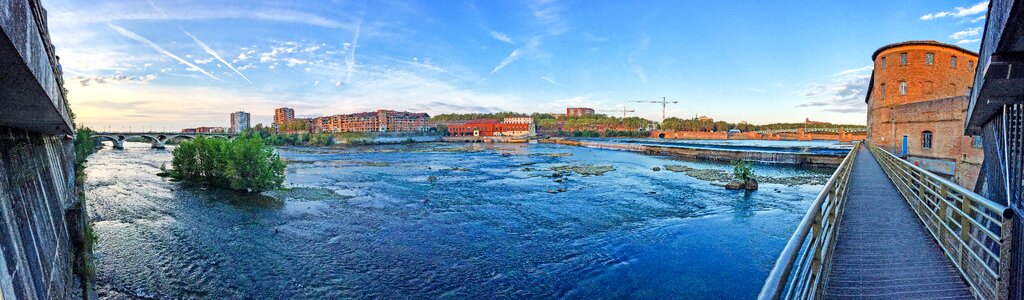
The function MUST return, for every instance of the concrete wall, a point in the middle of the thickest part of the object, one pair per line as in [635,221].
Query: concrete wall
[37,200]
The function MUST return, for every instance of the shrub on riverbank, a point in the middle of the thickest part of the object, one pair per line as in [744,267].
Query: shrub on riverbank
[244,164]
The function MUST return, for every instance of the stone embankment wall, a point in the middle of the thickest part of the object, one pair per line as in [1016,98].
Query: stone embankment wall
[806,159]
[40,216]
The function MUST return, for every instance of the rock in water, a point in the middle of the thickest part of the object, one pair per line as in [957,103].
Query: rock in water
[734,185]
[750,185]
[656,169]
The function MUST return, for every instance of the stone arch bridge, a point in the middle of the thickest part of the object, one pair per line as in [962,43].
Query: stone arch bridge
[157,139]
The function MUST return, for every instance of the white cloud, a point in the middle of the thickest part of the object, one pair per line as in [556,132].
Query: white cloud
[845,94]
[959,35]
[138,38]
[958,12]
[291,62]
[501,37]
[203,61]
[216,56]
[84,81]
[756,90]
[960,42]
[549,80]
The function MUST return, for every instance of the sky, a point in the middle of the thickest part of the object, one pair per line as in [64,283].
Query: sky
[169,64]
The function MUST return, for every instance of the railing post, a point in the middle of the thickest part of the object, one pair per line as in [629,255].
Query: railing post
[944,195]
[1006,250]
[965,229]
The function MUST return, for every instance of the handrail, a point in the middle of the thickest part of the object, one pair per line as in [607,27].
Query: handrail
[973,231]
[812,242]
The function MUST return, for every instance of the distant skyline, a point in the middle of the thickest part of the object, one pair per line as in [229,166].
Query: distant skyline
[174,64]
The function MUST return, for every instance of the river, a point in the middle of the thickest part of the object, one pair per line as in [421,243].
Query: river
[438,220]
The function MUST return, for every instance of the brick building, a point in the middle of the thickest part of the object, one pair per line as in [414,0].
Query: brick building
[578,111]
[377,121]
[488,127]
[917,107]
[283,115]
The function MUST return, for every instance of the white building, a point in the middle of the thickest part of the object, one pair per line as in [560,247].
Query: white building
[521,120]
[239,121]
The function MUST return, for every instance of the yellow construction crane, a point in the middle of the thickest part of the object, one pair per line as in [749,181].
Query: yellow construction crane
[664,104]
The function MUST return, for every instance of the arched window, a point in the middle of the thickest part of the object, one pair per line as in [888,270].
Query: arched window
[926,139]
[929,58]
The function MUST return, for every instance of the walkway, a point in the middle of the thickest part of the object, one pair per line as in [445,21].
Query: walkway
[883,249]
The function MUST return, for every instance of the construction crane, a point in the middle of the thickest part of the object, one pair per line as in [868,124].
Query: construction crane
[624,110]
[664,104]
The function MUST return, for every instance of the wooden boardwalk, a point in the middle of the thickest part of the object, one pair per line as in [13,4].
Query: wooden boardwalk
[883,250]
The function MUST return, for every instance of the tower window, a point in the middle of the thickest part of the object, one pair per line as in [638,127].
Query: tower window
[903,88]
[977,141]
[882,87]
[903,59]
[970,65]
[926,139]
[929,58]
[883,62]
[952,62]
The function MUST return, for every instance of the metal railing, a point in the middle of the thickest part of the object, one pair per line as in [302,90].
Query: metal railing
[973,231]
[799,270]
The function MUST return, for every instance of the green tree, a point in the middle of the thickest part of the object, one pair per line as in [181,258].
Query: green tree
[245,163]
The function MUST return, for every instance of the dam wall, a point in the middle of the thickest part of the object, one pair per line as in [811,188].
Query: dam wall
[40,215]
[802,159]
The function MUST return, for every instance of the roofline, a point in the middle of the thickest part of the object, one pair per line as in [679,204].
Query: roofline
[919,43]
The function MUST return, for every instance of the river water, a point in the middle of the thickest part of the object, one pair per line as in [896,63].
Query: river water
[441,221]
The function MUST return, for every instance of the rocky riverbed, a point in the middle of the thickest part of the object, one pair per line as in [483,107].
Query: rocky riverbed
[444,221]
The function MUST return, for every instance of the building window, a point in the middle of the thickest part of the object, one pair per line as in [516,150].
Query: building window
[882,87]
[952,62]
[970,65]
[929,58]
[926,139]
[903,59]
[903,88]
[883,62]
[976,142]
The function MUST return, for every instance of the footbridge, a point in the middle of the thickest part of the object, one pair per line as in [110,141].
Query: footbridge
[884,228]
[158,140]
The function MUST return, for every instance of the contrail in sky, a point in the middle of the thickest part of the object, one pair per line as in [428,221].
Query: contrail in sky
[138,38]
[215,55]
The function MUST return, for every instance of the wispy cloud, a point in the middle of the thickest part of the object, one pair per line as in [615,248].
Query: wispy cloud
[631,59]
[508,59]
[958,12]
[756,90]
[350,60]
[83,80]
[138,38]
[501,37]
[961,42]
[549,80]
[959,35]
[216,56]
[845,94]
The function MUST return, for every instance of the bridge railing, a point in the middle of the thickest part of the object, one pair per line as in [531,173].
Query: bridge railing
[799,270]
[974,232]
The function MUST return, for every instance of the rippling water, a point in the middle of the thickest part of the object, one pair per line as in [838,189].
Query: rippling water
[439,221]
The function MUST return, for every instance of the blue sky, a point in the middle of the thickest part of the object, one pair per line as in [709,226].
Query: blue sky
[172,64]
